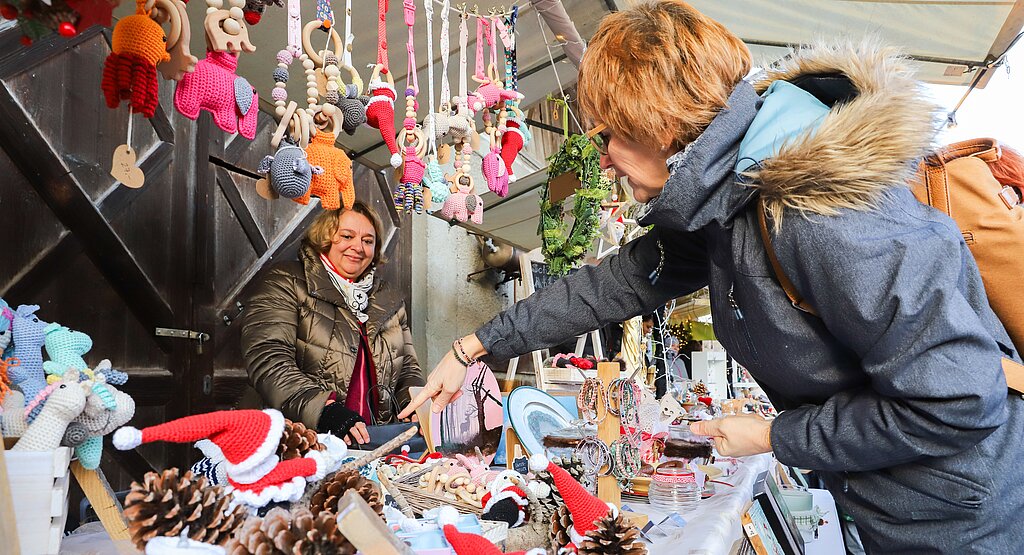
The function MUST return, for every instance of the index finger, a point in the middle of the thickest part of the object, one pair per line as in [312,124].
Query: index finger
[423,397]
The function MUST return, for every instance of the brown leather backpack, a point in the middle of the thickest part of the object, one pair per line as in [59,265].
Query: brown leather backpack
[960,180]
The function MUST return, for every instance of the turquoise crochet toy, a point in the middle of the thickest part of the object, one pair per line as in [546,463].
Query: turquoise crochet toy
[439,186]
[66,347]
[28,348]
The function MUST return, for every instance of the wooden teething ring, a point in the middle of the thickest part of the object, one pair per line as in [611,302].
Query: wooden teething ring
[355,78]
[307,45]
[163,11]
[376,74]
[282,126]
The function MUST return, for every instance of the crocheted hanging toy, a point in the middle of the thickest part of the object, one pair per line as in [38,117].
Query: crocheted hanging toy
[214,86]
[439,186]
[464,205]
[65,401]
[334,186]
[380,111]
[28,344]
[138,44]
[253,10]
[247,442]
[586,509]
[181,59]
[513,139]
[289,171]
[493,168]
[409,193]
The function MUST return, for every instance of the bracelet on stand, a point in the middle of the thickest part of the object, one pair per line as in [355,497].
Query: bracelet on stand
[591,400]
[626,460]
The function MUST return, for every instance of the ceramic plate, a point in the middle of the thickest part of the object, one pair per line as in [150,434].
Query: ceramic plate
[473,420]
[535,414]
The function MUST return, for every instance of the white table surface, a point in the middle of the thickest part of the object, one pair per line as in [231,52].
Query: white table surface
[830,536]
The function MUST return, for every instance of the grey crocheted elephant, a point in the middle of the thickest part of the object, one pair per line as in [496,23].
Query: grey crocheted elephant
[289,171]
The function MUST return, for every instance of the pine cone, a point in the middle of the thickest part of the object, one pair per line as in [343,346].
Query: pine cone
[574,467]
[333,487]
[284,532]
[164,504]
[613,536]
[700,390]
[551,502]
[561,521]
[297,440]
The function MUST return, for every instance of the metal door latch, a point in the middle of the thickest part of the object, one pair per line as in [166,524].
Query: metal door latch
[197,336]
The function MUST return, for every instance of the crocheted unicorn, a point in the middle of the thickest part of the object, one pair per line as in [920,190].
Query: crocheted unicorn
[28,342]
[65,401]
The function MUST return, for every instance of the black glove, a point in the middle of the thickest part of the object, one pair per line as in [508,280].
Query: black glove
[338,419]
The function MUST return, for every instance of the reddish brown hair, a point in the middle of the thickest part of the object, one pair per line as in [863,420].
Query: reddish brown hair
[658,73]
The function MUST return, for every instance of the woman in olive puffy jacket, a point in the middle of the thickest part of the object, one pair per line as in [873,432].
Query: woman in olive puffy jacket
[324,341]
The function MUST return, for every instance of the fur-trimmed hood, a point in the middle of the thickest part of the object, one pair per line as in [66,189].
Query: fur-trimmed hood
[875,121]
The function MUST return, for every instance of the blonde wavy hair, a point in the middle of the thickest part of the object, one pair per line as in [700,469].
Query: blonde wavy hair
[659,72]
[321,232]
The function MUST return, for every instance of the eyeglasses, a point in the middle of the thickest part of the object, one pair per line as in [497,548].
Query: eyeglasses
[600,137]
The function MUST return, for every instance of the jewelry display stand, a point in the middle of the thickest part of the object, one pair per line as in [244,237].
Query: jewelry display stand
[608,432]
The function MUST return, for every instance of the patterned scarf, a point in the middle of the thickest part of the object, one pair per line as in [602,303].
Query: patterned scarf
[355,293]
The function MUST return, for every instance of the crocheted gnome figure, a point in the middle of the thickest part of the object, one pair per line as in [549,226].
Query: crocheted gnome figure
[512,142]
[472,544]
[247,441]
[508,505]
[585,508]
[380,114]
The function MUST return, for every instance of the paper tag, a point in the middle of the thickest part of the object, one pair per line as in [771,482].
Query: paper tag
[264,189]
[444,154]
[123,168]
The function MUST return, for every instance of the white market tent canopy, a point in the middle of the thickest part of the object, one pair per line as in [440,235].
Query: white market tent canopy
[953,41]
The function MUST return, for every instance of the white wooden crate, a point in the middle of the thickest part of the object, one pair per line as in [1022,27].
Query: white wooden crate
[40,482]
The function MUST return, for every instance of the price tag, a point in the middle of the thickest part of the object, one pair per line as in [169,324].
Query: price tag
[123,167]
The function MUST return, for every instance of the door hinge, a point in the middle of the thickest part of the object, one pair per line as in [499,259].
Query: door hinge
[198,336]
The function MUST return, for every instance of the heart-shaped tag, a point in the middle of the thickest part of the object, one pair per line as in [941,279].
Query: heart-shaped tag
[444,154]
[123,168]
[264,189]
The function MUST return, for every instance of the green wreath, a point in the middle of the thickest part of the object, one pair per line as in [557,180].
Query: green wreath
[562,252]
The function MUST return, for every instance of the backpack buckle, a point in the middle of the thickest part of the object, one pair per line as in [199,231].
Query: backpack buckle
[1010,197]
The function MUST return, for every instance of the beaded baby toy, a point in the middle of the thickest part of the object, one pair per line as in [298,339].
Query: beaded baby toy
[409,194]
[434,178]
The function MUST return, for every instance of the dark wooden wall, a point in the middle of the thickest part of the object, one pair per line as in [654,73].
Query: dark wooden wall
[116,262]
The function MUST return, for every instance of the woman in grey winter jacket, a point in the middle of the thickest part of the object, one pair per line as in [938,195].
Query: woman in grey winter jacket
[895,393]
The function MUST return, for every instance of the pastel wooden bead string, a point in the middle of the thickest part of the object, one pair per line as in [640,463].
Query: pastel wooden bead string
[281,75]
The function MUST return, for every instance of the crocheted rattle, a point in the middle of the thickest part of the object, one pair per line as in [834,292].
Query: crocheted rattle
[138,44]
[335,184]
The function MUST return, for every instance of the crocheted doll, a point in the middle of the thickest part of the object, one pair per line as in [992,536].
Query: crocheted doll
[409,194]
[380,111]
[65,401]
[215,87]
[494,170]
[138,44]
[513,139]
[490,93]
[334,185]
[464,205]
[289,171]
[28,344]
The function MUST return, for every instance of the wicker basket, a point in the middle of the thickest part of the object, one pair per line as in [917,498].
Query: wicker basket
[420,500]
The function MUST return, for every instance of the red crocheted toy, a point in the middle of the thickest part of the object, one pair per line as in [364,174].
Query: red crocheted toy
[512,142]
[138,44]
[380,112]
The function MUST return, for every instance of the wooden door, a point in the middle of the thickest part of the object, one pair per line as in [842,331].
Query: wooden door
[118,263]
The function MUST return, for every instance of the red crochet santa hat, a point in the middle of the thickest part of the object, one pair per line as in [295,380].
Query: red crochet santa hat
[586,509]
[472,544]
[380,114]
[516,496]
[512,142]
[247,439]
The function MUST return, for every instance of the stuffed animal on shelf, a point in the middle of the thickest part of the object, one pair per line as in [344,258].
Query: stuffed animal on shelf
[464,205]
[138,44]
[334,186]
[99,420]
[215,87]
[65,347]
[29,337]
[65,401]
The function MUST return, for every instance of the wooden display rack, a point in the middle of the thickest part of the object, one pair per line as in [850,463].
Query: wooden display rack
[93,484]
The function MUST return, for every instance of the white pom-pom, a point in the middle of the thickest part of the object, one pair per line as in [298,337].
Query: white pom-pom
[396,160]
[321,466]
[538,462]
[540,489]
[127,437]
[512,178]
[447,515]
